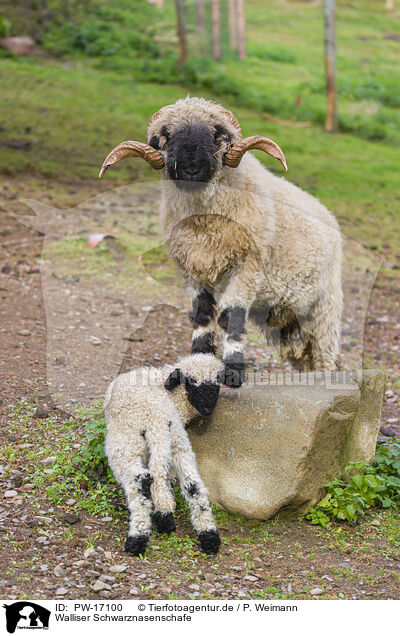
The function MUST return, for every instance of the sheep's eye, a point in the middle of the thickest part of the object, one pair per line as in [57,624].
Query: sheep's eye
[221,133]
[155,142]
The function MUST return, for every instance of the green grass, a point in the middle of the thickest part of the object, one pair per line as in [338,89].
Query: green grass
[72,110]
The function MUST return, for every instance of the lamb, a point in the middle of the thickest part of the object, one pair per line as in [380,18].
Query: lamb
[248,245]
[147,445]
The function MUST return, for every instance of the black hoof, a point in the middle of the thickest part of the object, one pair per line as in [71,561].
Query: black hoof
[234,374]
[209,541]
[136,545]
[164,521]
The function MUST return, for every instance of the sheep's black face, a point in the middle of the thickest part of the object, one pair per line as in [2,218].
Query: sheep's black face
[191,161]
[203,397]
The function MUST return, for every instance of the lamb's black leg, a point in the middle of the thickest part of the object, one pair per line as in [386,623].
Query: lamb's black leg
[164,521]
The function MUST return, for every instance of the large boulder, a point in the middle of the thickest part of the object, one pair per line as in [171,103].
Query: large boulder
[272,447]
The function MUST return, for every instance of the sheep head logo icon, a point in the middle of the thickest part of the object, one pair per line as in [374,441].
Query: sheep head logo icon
[26,615]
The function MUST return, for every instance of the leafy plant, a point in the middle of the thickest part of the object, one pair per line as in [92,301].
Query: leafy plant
[369,486]
[5,27]
[92,456]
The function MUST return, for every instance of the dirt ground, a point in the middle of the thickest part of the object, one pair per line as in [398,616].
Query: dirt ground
[58,551]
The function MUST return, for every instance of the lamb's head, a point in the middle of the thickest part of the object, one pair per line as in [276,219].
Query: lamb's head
[200,375]
[193,140]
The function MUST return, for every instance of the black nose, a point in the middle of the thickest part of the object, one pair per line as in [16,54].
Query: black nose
[191,171]
[191,156]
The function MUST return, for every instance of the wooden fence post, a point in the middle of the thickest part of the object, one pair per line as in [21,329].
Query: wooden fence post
[216,29]
[233,26]
[181,27]
[330,65]
[241,22]
[201,14]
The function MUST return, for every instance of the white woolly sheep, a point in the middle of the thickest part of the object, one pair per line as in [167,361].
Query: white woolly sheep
[147,445]
[247,243]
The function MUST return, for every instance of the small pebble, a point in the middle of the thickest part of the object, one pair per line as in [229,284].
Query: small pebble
[42,412]
[100,585]
[48,460]
[316,591]
[28,486]
[70,518]
[58,571]
[118,568]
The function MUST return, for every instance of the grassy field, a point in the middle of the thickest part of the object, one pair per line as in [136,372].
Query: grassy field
[61,115]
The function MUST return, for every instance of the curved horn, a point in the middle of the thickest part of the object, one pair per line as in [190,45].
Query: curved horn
[156,115]
[235,154]
[133,149]
[229,115]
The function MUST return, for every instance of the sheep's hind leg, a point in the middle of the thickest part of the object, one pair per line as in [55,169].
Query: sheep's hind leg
[323,331]
[194,492]
[136,485]
[202,317]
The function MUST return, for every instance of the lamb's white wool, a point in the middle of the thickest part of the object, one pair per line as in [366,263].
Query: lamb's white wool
[147,445]
[247,243]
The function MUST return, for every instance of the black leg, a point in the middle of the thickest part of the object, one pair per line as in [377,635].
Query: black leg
[202,316]
[164,521]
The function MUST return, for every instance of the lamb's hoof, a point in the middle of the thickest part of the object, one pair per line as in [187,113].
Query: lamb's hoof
[164,521]
[209,541]
[136,545]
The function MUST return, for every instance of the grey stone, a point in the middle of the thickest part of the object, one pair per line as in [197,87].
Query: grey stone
[271,448]
[19,45]
[100,585]
[70,518]
[118,568]
[48,460]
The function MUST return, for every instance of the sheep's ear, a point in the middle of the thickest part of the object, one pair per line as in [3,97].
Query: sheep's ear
[174,379]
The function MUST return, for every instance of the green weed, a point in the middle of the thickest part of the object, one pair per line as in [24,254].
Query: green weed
[369,486]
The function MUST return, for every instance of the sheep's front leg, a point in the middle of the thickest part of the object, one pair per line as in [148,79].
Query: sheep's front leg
[232,321]
[233,309]
[159,440]
[202,317]
[194,491]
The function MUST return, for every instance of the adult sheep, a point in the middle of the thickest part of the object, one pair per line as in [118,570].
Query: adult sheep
[247,243]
